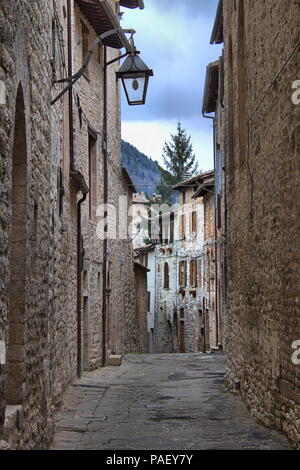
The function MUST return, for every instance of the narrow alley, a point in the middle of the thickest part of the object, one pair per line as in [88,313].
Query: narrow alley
[162,401]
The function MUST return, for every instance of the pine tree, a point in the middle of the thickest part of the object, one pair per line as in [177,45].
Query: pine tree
[178,155]
[164,188]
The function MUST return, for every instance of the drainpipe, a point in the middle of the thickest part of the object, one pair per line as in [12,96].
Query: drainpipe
[79,271]
[105,201]
[204,324]
[216,244]
[70,92]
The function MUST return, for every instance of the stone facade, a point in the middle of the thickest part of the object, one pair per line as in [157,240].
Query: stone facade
[185,314]
[141,307]
[44,174]
[261,144]
[146,256]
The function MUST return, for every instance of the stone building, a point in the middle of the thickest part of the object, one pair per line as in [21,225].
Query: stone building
[146,256]
[213,109]
[60,285]
[185,313]
[261,144]
[141,307]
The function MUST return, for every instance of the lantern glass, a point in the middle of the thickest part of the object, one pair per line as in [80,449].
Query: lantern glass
[134,74]
[135,87]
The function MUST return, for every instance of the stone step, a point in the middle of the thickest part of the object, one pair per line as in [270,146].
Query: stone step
[114,360]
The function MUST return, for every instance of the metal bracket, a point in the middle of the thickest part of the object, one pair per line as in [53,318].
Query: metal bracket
[99,40]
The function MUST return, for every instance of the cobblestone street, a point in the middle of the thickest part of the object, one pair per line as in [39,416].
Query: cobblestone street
[170,401]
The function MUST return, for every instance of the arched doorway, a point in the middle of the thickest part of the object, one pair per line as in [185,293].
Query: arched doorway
[17,260]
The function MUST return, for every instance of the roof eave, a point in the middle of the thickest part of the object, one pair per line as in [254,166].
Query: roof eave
[129,180]
[132,4]
[210,90]
[217,36]
[102,18]
[193,180]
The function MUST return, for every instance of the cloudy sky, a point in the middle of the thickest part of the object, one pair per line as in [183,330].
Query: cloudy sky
[173,37]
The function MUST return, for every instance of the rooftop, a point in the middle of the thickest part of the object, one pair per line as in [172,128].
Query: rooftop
[132,3]
[217,36]
[211,88]
[195,179]
[103,19]
[127,178]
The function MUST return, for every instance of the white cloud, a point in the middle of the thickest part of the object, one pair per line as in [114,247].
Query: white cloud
[173,38]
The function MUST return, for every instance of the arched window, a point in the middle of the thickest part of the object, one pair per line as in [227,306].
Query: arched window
[166,276]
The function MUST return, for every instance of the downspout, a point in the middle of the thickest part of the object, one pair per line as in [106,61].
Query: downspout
[79,270]
[70,92]
[105,201]
[216,243]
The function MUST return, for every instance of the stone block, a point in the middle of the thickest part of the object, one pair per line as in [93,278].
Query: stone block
[114,360]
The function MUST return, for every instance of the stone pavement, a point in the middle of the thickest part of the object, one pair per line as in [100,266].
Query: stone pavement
[159,402]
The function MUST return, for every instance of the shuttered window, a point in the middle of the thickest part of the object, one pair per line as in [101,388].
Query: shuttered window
[166,276]
[182,273]
[193,273]
[194,222]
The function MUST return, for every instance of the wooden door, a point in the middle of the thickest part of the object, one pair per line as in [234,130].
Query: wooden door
[181,332]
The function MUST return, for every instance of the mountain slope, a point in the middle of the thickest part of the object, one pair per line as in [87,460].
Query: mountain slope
[144,172]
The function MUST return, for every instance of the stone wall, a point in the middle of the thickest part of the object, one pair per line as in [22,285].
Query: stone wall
[141,304]
[263,208]
[26,329]
[165,332]
[38,218]
[213,335]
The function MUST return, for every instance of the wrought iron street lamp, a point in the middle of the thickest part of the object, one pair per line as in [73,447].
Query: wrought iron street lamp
[134,73]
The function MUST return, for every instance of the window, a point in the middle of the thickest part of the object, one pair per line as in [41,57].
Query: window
[160,229]
[194,222]
[84,43]
[193,273]
[166,276]
[92,177]
[182,273]
[172,227]
[182,226]
[149,300]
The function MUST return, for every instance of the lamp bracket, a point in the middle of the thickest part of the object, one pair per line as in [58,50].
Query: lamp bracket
[99,40]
